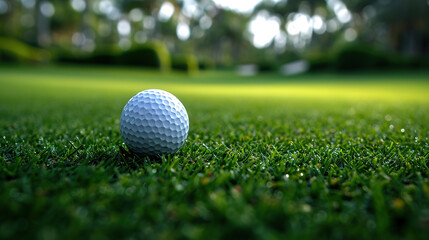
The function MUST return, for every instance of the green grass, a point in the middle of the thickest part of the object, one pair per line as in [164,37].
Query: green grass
[312,156]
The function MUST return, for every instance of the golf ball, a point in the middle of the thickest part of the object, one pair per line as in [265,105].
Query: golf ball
[154,122]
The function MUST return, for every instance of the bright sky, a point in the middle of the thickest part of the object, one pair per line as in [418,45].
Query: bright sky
[238,5]
[264,29]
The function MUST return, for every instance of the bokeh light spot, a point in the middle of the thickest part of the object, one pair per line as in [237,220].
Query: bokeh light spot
[47,9]
[183,31]
[238,6]
[140,37]
[332,25]
[27,20]
[78,5]
[4,7]
[264,28]
[28,3]
[319,26]
[149,22]
[166,11]
[124,27]
[205,22]
[136,15]
[350,34]
[124,43]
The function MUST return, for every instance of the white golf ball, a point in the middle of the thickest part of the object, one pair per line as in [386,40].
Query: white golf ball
[154,122]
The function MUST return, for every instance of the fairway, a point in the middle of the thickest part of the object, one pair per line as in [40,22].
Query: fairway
[318,155]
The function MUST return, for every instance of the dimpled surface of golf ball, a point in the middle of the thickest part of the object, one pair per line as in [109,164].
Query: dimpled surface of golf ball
[154,122]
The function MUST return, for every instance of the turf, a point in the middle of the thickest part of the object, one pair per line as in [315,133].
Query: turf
[322,156]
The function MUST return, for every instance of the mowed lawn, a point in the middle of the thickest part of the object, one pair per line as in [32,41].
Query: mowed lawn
[326,156]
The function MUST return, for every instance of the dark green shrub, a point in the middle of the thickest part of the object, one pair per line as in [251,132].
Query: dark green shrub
[98,57]
[289,56]
[367,57]
[361,57]
[103,55]
[12,50]
[397,61]
[68,57]
[267,66]
[424,62]
[102,58]
[187,63]
[319,61]
[206,64]
[151,55]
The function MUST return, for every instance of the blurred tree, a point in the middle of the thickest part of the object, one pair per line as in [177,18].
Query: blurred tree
[42,24]
[215,33]
[286,7]
[226,36]
[403,26]
[149,8]
[287,10]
